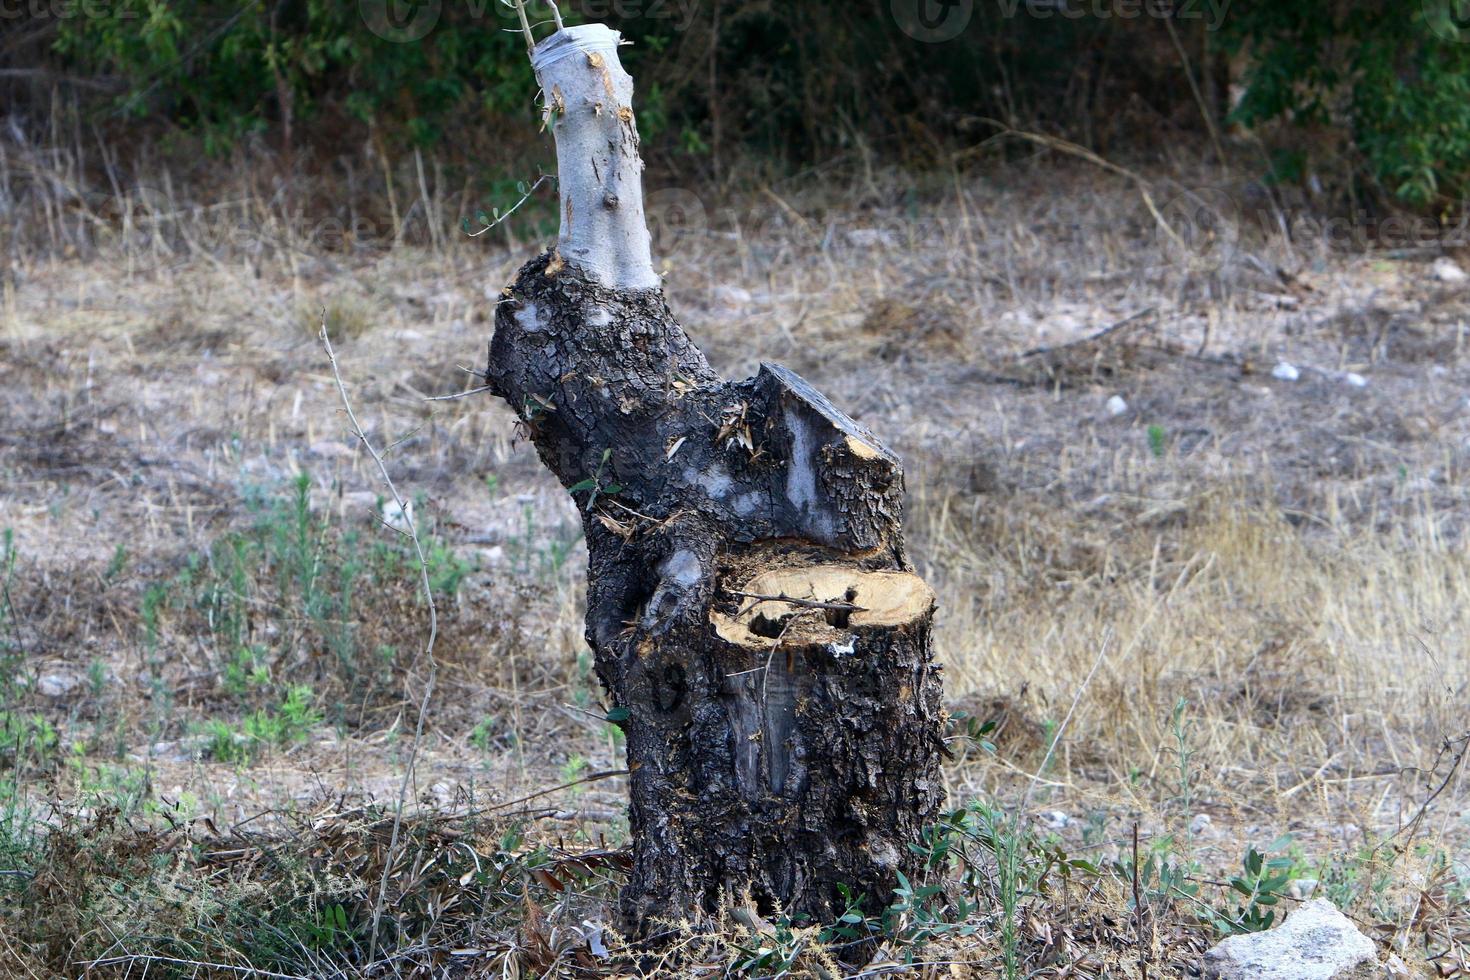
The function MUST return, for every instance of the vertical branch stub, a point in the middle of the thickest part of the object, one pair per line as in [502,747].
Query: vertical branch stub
[589,100]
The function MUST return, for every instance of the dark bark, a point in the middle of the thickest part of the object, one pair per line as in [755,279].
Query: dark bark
[778,748]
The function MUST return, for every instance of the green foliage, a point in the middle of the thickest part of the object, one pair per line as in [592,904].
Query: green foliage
[20,833]
[594,486]
[1394,77]
[295,599]
[27,738]
[1262,883]
[10,648]
[785,81]
[1158,441]
[772,953]
[225,71]
[289,723]
[486,733]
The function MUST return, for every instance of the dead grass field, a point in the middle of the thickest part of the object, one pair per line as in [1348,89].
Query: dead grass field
[1188,606]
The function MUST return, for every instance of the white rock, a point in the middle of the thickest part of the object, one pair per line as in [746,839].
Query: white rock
[1317,942]
[400,518]
[1117,406]
[1356,380]
[1200,823]
[1056,820]
[732,298]
[186,750]
[1302,888]
[1445,270]
[1285,372]
[57,685]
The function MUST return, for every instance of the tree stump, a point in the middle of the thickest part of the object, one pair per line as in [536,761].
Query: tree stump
[753,614]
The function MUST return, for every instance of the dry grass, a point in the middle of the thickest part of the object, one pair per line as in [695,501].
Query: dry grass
[1287,560]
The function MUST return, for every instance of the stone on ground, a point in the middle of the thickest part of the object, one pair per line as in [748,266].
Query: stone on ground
[1445,270]
[1317,942]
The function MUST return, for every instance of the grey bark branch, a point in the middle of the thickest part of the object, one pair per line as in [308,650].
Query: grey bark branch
[588,99]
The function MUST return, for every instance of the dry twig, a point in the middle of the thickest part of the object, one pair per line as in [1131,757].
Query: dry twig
[418,547]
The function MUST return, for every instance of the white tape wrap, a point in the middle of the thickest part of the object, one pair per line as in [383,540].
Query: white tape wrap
[603,231]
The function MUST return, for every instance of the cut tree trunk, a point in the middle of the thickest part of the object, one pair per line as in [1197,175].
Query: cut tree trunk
[754,618]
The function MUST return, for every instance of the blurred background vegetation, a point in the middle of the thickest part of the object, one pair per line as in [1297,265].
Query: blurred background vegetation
[1366,103]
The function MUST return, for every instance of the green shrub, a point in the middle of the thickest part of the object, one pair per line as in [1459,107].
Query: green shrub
[225,71]
[1394,77]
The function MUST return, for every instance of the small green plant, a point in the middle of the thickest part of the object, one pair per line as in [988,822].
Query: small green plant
[994,861]
[97,677]
[484,733]
[117,565]
[1157,876]
[265,728]
[20,833]
[1158,441]
[122,788]
[1261,884]
[966,730]
[329,929]
[573,770]
[27,738]
[247,672]
[226,744]
[772,952]
[11,655]
[593,485]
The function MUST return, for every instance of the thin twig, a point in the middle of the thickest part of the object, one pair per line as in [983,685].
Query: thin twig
[1102,334]
[1457,748]
[462,394]
[502,218]
[1143,956]
[1199,98]
[596,776]
[520,6]
[428,589]
[804,603]
[1102,653]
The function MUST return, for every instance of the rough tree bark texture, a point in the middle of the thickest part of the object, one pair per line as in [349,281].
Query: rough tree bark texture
[778,748]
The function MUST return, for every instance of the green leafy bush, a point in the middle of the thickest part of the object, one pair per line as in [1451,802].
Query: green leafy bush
[224,70]
[1395,78]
